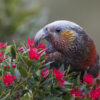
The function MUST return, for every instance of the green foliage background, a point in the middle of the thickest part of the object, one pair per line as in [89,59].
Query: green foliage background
[20,19]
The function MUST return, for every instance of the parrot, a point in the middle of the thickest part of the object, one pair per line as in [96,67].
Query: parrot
[70,45]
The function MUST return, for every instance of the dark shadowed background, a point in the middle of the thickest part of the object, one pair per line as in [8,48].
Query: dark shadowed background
[20,19]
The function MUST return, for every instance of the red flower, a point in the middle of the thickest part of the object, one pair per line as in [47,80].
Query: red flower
[2,45]
[31,42]
[61,82]
[88,79]
[45,72]
[20,49]
[35,54]
[58,73]
[1,53]
[41,46]
[8,79]
[1,56]
[77,93]
[59,76]
[94,94]
[14,65]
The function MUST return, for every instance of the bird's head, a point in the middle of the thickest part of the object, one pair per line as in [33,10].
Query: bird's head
[58,33]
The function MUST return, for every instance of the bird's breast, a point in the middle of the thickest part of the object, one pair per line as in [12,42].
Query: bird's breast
[90,58]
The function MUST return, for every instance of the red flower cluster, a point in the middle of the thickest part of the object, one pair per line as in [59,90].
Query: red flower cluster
[59,76]
[2,45]
[94,94]
[34,52]
[45,72]
[58,73]
[88,79]
[77,93]
[1,56]
[8,78]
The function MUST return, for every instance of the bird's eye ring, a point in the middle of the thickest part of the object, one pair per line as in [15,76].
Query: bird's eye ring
[58,30]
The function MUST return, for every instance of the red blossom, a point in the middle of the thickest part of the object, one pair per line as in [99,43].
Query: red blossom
[88,79]
[1,56]
[14,65]
[94,94]
[35,54]
[1,53]
[59,76]
[8,79]
[41,46]
[20,49]
[31,42]
[45,72]
[58,73]
[61,82]
[2,45]
[77,93]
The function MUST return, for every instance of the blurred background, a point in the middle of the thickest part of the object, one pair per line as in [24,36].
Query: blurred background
[20,19]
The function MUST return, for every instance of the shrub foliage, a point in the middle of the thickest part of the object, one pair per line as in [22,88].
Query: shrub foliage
[23,77]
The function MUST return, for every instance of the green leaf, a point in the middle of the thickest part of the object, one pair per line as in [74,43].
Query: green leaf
[67,83]
[24,92]
[10,51]
[28,62]
[47,64]
[73,98]
[68,96]
[37,66]
[26,97]
[22,71]
[38,72]
[42,57]
[6,68]
[68,69]
[53,98]
[17,73]
[47,82]
[62,67]
[0,90]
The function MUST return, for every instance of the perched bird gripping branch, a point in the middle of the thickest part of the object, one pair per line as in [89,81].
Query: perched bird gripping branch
[70,45]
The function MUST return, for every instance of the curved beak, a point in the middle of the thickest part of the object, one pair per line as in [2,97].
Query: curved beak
[44,34]
[40,35]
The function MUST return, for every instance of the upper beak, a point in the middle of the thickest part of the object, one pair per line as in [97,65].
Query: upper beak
[40,35]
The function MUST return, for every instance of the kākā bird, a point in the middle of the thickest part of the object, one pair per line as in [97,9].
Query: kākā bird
[70,45]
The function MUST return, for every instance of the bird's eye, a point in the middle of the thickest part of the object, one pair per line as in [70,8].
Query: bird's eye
[46,29]
[58,30]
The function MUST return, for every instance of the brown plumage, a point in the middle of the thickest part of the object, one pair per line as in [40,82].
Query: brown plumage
[70,45]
